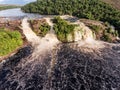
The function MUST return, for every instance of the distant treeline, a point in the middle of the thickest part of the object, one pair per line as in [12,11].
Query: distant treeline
[90,9]
[3,7]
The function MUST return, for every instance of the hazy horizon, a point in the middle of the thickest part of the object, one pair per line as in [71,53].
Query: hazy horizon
[16,2]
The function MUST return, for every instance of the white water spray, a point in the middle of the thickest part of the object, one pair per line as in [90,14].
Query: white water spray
[41,45]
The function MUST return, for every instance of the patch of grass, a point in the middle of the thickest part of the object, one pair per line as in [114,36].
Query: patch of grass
[9,41]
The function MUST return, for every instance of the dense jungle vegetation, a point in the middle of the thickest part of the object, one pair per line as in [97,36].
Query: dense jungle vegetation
[9,41]
[90,9]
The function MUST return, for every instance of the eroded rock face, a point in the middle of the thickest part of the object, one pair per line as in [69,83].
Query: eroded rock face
[81,32]
[74,68]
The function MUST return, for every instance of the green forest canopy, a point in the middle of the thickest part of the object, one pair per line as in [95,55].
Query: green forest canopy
[90,9]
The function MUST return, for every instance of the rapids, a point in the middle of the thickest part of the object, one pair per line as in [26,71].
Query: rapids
[49,64]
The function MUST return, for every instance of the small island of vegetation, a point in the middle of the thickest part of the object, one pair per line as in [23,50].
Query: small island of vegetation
[40,27]
[63,29]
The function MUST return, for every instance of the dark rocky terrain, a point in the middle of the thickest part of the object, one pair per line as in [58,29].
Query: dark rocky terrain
[68,67]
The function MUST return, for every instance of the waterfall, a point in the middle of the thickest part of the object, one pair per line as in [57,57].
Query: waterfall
[49,64]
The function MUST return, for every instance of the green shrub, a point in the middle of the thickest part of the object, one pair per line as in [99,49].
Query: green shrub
[112,31]
[106,37]
[9,41]
[62,28]
[44,29]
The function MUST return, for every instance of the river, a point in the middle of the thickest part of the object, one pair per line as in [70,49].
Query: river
[17,12]
[51,65]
